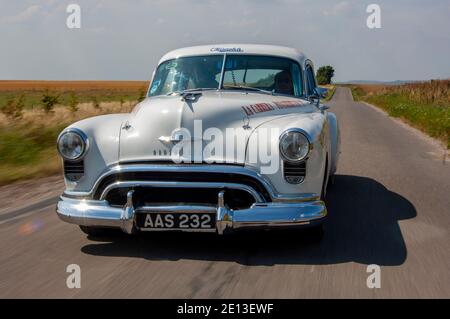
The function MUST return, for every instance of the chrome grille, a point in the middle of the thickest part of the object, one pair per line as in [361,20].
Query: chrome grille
[180,176]
[73,170]
[294,173]
[154,196]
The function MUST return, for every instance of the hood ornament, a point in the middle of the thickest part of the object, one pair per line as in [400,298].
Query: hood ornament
[190,96]
[170,139]
[177,139]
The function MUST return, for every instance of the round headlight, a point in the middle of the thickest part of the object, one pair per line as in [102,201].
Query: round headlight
[294,146]
[72,145]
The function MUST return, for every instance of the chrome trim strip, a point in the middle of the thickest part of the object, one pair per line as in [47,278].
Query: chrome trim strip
[243,187]
[222,71]
[179,209]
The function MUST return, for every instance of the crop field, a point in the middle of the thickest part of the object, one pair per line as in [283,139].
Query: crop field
[85,91]
[33,113]
[424,105]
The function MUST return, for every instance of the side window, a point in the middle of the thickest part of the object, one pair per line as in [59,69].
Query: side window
[310,79]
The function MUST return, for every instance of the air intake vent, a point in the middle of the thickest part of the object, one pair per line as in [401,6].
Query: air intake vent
[294,173]
[73,170]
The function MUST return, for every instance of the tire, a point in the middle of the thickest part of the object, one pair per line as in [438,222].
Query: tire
[316,233]
[98,231]
[331,180]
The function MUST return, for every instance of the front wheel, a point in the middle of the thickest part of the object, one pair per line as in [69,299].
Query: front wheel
[316,233]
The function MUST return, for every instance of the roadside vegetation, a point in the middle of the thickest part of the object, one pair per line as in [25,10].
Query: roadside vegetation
[324,74]
[331,89]
[424,105]
[31,119]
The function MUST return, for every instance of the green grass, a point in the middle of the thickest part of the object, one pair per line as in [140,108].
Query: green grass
[27,152]
[432,118]
[358,93]
[330,94]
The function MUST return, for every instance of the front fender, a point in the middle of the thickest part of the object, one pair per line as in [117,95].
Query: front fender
[315,125]
[103,133]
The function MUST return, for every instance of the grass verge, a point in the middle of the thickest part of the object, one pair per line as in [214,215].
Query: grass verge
[331,90]
[425,106]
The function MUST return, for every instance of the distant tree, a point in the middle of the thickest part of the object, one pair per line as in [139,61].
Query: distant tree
[49,101]
[324,74]
[73,102]
[14,109]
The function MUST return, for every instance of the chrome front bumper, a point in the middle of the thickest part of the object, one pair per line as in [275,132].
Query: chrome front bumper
[98,213]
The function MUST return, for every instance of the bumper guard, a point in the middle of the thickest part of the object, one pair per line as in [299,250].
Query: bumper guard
[98,213]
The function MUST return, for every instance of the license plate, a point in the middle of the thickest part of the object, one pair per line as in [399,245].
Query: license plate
[176,221]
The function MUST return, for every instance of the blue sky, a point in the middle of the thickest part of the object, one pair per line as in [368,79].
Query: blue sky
[123,40]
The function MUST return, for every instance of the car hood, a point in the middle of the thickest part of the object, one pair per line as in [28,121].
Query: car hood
[148,135]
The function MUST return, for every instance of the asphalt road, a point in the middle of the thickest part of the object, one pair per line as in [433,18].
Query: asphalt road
[390,206]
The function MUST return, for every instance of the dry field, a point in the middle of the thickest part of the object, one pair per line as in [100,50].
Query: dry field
[85,91]
[71,85]
[27,141]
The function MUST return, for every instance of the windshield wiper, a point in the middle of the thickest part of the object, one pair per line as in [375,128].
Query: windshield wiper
[191,90]
[243,87]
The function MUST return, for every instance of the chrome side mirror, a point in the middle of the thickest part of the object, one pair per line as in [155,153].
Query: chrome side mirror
[323,92]
[315,96]
[323,107]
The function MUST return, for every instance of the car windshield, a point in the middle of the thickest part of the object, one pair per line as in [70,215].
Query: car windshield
[263,74]
[273,74]
[187,73]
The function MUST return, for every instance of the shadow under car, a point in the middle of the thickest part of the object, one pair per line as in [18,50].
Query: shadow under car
[362,226]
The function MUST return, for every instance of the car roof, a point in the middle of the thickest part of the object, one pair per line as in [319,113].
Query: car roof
[257,49]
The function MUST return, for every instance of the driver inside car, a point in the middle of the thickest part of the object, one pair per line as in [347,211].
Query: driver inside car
[283,83]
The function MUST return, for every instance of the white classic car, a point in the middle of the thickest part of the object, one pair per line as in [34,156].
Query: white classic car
[229,137]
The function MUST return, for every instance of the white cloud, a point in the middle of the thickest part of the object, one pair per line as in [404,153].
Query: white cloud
[339,9]
[23,16]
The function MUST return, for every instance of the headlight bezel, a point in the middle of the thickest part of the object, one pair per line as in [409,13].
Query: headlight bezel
[83,138]
[308,139]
